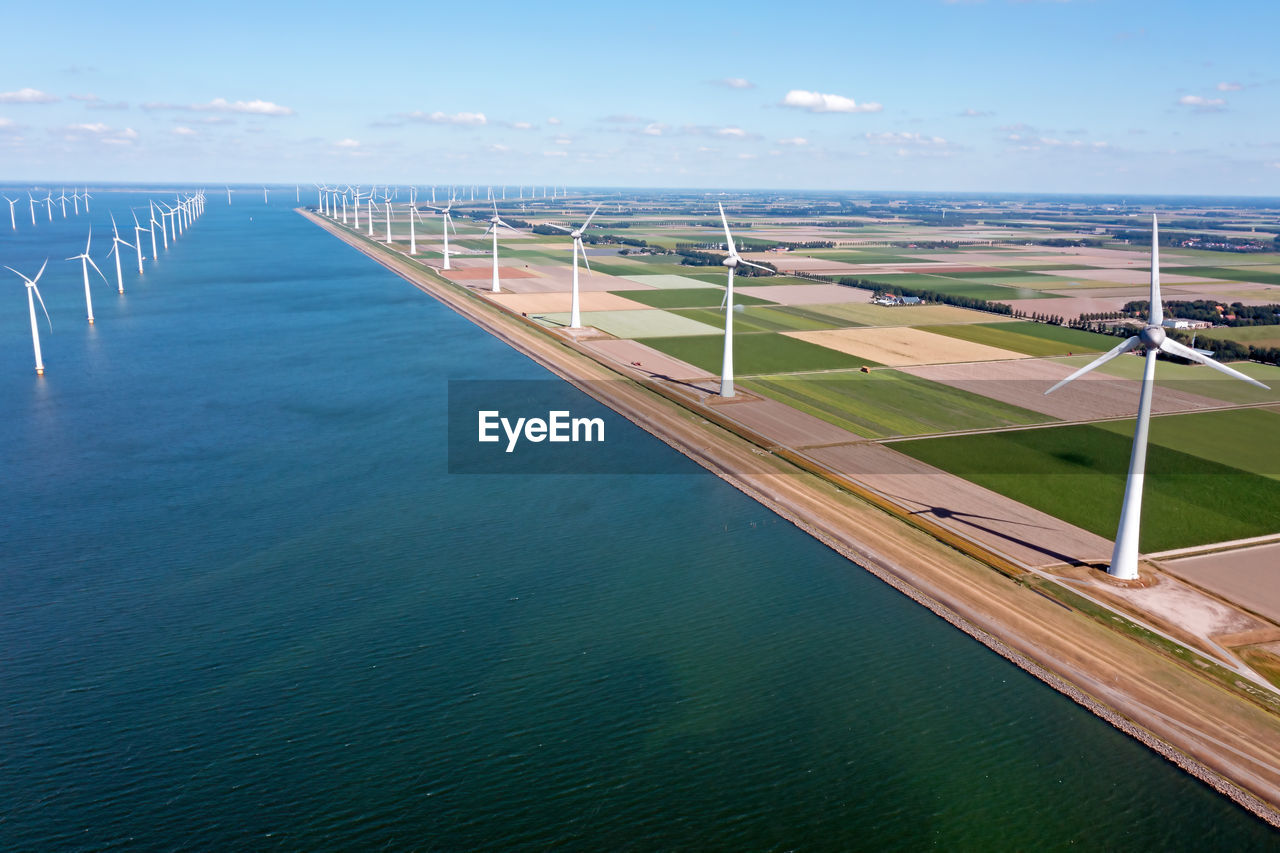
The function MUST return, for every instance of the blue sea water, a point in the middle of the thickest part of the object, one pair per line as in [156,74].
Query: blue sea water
[244,605]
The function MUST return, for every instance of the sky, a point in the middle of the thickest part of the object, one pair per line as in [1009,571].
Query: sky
[1053,96]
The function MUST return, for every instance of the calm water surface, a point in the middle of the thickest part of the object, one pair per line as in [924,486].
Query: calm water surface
[243,606]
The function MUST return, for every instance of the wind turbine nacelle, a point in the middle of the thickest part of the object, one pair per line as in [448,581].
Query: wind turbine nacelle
[730,262]
[1152,337]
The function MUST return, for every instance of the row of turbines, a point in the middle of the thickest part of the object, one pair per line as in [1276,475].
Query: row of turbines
[174,221]
[1152,339]
[49,201]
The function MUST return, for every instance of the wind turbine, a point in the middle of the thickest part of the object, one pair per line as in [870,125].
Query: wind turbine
[575,315]
[48,203]
[413,236]
[75,200]
[85,261]
[12,217]
[152,207]
[31,306]
[228,196]
[115,248]
[726,372]
[1124,556]
[264,196]
[32,203]
[494,223]
[137,240]
[164,228]
[85,195]
[63,198]
[387,203]
[446,222]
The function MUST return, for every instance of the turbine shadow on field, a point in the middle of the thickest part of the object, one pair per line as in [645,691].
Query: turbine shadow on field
[945,514]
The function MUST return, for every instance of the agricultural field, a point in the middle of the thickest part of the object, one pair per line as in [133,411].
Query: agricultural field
[1241,273]
[756,353]
[757,318]
[1258,336]
[1077,473]
[693,297]
[1196,379]
[633,324]
[885,403]
[1035,339]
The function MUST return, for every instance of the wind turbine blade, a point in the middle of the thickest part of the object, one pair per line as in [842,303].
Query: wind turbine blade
[42,266]
[1155,310]
[584,257]
[40,298]
[1172,347]
[18,274]
[589,218]
[724,300]
[733,252]
[561,227]
[757,266]
[95,266]
[1129,345]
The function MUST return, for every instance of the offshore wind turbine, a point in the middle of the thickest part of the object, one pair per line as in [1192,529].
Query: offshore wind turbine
[75,200]
[732,262]
[13,221]
[85,195]
[63,198]
[31,307]
[1124,556]
[575,315]
[494,223]
[264,196]
[117,241]
[32,203]
[85,262]
[387,203]
[413,211]
[48,203]
[137,240]
[228,196]
[151,207]
[164,231]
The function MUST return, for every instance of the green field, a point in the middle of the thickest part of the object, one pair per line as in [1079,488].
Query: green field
[692,297]
[1230,274]
[632,324]
[1242,438]
[1036,339]
[956,287]
[886,403]
[668,282]
[755,353]
[1077,473]
[758,318]
[853,256]
[1259,336]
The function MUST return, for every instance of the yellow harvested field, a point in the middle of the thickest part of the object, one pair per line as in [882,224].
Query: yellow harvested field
[897,346]
[549,303]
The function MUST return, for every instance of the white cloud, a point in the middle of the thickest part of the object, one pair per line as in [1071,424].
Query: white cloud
[553,120]
[555,153]
[653,129]
[222,105]
[102,133]
[818,102]
[1201,104]
[27,96]
[903,138]
[464,119]
[184,131]
[972,113]
[736,83]
[563,140]
[522,125]
[499,148]
[347,143]
[94,127]
[735,132]
[793,140]
[1229,87]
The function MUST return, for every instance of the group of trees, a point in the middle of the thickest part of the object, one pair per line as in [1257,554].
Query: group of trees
[698,258]
[1207,310]
[923,293]
[1211,242]
[1036,317]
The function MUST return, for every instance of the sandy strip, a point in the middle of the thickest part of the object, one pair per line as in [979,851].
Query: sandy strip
[1220,737]
[1245,574]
